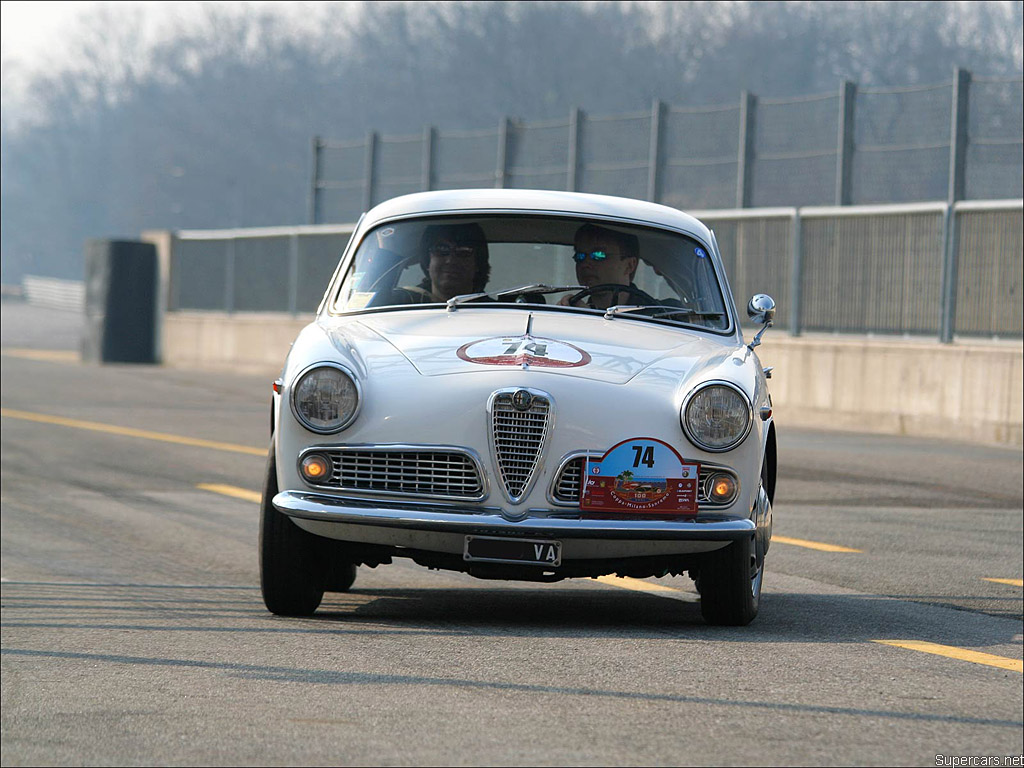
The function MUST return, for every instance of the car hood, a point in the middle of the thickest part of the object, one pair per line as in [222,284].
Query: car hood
[471,339]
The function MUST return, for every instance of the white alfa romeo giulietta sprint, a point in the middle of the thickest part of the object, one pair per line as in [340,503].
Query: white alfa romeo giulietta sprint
[524,385]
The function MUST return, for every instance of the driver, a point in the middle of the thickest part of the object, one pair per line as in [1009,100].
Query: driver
[605,257]
[455,261]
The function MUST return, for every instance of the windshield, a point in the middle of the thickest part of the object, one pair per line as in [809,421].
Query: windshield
[590,266]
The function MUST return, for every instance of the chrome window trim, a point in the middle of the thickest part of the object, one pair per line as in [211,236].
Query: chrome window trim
[469,453]
[355,411]
[686,404]
[345,265]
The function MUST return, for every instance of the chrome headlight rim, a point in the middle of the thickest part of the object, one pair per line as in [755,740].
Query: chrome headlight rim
[697,390]
[351,417]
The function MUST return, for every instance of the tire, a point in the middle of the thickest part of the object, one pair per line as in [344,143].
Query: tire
[730,585]
[341,575]
[291,559]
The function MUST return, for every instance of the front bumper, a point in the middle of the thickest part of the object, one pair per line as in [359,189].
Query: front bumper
[488,521]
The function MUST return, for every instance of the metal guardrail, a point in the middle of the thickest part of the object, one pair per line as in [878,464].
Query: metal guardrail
[917,269]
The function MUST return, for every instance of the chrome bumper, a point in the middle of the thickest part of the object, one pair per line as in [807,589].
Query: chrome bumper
[480,521]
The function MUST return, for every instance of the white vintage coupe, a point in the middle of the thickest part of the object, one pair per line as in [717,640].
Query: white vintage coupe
[527,385]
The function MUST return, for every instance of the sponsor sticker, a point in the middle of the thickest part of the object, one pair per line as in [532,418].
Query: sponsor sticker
[642,475]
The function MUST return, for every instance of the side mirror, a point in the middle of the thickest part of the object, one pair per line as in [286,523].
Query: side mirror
[761,309]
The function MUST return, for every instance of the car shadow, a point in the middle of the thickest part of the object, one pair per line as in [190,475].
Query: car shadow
[783,617]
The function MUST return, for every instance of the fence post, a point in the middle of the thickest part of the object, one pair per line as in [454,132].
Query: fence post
[796,276]
[745,161]
[429,139]
[844,142]
[314,191]
[573,166]
[371,157]
[654,158]
[293,274]
[958,133]
[950,231]
[501,170]
[229,277]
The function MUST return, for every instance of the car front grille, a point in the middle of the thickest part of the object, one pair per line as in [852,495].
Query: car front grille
[566,489]
[518,436]
[433,473]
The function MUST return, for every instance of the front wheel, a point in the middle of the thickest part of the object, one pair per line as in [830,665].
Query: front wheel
[730,584]
[291,559]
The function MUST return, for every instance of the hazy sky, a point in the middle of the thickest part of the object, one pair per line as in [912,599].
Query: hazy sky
[28,29]
[33,33]
[38,35]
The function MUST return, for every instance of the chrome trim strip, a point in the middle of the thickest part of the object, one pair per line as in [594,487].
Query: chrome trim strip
[469,453]
[483,522]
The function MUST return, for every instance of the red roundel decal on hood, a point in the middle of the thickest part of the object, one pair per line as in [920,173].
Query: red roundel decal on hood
[523,350]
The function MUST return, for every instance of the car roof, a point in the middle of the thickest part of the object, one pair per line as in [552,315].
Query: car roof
[536,201]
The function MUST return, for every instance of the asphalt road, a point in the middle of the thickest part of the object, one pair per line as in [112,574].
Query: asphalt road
[133,630]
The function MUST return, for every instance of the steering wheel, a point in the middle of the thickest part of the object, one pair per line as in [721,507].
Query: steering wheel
[632,290]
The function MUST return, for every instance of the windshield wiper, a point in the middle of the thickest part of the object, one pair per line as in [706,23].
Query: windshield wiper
[462,298]
[510,293]
[540,288]
[659,310]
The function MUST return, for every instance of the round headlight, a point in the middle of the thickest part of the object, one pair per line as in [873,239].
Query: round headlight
[716,417]
[325,398]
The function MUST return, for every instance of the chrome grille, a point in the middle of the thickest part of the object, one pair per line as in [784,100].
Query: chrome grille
[518,436]
[567,487]
[444,474]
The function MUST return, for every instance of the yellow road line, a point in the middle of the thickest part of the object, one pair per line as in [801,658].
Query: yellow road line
[1011,582]
[231,490]
[820,546]
[1002,662]
[43,418]
[625,582]
[49,355]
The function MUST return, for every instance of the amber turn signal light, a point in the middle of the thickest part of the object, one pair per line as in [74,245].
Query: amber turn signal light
[316,468]
[723,488]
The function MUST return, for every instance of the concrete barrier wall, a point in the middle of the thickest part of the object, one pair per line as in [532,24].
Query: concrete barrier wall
[256,342]
[962,391]
[970,391]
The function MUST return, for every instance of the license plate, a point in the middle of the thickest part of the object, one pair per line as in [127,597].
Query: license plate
[496,550]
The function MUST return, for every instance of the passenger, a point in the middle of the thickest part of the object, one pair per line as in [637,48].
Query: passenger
[606,257]
[455,261]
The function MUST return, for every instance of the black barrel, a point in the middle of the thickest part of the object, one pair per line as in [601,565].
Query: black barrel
[120,302]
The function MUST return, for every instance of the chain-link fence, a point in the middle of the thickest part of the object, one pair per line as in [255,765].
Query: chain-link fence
[949,141]
[929,269]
